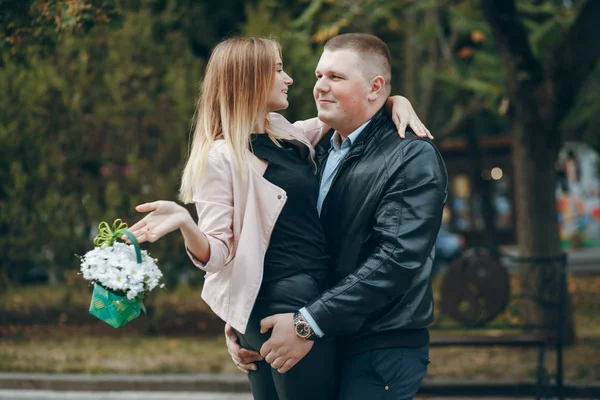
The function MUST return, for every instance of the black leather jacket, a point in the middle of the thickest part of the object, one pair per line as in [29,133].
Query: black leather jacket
[381,218]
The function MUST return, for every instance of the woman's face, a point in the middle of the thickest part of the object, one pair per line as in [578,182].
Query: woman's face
[278,95]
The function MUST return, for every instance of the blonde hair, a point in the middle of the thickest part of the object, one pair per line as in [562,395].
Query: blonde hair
[233,98]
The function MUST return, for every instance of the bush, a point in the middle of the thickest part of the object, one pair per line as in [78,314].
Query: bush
[86,134]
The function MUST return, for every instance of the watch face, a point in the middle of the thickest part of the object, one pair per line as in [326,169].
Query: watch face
[303,329]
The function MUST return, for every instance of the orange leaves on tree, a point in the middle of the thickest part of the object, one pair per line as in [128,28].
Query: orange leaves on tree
[465,52]
[478,36]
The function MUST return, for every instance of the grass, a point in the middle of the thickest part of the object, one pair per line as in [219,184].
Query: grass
[24,299]
[581,362]
[48,329]
[127,354]
[149,355]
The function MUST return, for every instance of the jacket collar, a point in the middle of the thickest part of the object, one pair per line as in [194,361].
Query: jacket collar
[371,130]
[337,142]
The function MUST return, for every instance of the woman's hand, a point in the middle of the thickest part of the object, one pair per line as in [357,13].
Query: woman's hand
[164,217]
[245,360]
[404,114]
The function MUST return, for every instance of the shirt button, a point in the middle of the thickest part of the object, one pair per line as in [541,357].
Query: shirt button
[279,197]
[387,388]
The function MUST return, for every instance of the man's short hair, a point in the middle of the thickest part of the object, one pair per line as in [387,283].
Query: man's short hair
[370,48]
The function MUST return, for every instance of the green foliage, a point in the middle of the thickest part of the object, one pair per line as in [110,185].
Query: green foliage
[584,120]
[26,22]
[299,54]
[98,95]
[546,22]
[88,133]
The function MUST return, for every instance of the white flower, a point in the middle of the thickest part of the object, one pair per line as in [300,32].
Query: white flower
[115,268]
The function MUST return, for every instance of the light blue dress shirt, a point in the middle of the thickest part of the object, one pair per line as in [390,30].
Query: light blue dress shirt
[337,154]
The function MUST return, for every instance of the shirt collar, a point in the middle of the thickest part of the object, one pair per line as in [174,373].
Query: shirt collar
[336,138]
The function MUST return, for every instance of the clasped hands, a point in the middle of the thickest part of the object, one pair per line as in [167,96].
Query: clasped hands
[282,351]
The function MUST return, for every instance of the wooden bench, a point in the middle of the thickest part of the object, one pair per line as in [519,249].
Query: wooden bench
[479,308]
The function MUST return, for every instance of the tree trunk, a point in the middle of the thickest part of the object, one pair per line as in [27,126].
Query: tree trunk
[535,178]
[535,117]
[537,224]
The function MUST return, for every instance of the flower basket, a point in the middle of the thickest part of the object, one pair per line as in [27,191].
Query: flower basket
[113,309]
[121,274]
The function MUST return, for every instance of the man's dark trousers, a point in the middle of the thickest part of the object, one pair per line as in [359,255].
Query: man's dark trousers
[383,374]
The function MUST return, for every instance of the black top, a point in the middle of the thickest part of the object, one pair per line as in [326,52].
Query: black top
[297,243]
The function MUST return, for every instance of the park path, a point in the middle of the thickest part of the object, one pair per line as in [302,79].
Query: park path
[54,395]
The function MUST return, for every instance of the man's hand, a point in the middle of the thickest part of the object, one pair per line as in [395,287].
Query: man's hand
[284,349]
[243,359]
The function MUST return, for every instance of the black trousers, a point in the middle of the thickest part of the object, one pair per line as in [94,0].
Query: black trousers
[314,376]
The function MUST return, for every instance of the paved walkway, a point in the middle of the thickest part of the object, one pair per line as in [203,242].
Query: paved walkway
[37,386]
[222,382]
[50,395]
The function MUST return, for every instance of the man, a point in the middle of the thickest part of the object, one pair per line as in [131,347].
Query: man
[380,201]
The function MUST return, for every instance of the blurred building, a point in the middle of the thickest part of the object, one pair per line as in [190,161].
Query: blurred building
[577,192]
[464,212]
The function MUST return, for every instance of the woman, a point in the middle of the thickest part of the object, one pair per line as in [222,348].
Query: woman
[258,238]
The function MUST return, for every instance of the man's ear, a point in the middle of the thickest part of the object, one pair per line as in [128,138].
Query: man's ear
[377,88]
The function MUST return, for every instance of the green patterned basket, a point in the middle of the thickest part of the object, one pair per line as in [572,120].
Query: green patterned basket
[117,310]
[113,309]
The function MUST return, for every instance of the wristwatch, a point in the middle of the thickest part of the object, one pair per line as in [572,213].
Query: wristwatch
[302,328]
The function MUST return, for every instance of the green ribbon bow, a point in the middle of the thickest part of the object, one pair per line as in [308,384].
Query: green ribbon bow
[107,236]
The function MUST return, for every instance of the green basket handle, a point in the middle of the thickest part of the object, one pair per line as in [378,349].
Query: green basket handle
[134,242]
[107,236]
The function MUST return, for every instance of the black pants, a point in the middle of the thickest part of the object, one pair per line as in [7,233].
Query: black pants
[314,376]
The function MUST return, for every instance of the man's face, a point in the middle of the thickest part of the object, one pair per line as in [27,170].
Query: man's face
[341,91]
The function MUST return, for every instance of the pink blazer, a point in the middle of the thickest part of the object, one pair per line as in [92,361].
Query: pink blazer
[237,216]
